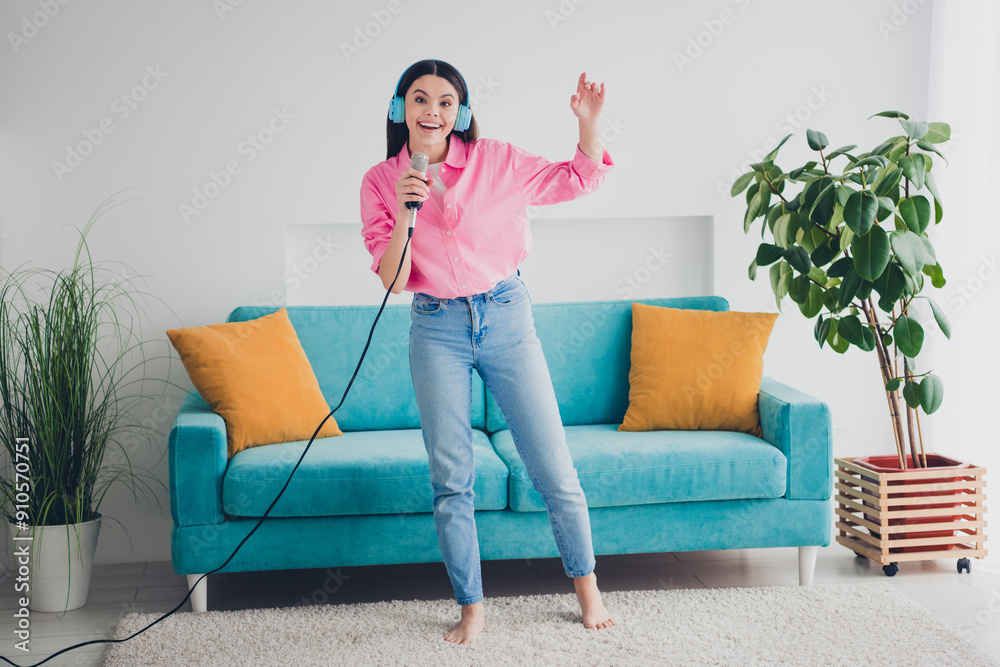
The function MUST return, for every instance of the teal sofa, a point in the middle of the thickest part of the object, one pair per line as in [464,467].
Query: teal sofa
[365,497]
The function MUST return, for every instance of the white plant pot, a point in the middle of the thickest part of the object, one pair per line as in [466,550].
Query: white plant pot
[57,569]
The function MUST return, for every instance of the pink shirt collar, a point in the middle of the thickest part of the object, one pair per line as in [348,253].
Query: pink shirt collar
[457,151]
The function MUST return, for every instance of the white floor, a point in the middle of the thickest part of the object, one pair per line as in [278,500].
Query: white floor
[969,602]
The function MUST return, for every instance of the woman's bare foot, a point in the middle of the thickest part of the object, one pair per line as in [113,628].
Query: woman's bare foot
[472,623]
[595,616]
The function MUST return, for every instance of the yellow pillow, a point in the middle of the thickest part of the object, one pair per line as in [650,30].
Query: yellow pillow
[257,377]
[696,369]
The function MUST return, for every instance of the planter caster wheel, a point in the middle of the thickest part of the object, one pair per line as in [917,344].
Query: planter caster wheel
[891,569]
[860,556]
[964,564]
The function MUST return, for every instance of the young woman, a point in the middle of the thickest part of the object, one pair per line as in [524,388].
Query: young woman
[472,310]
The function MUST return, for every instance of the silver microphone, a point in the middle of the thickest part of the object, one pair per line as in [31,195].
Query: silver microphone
[420,162]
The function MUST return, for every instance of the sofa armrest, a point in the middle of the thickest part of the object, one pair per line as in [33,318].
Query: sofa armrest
[800,426]
[199,455]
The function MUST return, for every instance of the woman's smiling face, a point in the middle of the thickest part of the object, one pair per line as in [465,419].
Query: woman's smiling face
[431,106]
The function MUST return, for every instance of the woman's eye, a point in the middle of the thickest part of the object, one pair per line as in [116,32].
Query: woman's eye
[446,104]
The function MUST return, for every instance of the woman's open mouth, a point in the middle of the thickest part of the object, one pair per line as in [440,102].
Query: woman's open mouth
[429,127]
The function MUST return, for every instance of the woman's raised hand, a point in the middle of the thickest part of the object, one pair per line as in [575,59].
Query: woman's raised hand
[588,100]
[411,187]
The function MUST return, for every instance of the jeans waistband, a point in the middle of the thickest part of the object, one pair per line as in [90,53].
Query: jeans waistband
[482,296]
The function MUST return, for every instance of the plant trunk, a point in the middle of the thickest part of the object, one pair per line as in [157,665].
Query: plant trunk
[887,374]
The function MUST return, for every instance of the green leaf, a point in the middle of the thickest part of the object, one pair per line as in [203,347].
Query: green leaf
[882,148]
[817,140]
[796,173]
[753,211]
[914,168]
[938,133]
[774,153]
[931,393]
[931,184]
[909,336]
[915,212]
[853,331]
[871,253]
[923,144]
[871,160]
[798,258]
[814,303]
[911,394]
[752,270]
[892,384]
[909,251]
[940,317]
[767,253]
[849,287]
[741,183]
[843,150]
[824,252]
[914,129]
[780,231]
[798,290]
[781,278]
[889,114]
[821,329]
[888,182]
[936,274]
[859,212]
[836,341]
[846,237]
[885,208]
[840,268]
[823,200]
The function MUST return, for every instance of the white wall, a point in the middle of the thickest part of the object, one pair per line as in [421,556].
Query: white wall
[679,134]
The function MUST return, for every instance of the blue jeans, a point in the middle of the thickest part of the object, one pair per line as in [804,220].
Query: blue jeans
[493,332]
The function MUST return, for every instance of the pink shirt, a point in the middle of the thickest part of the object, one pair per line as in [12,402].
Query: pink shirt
[480,233]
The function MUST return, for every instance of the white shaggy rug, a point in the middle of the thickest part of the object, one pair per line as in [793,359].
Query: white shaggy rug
[867,623]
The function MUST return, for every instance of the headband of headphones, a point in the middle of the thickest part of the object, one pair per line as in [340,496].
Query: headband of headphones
[397,110]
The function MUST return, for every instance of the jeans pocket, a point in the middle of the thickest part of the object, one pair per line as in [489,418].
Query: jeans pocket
[510,294]
[425,304]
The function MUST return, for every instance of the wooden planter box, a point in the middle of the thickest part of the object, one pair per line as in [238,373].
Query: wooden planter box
[884,516]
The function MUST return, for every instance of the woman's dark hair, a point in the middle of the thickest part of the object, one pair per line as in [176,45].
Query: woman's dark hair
[397,134]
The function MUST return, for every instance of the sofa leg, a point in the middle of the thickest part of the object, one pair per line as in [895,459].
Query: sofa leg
[807,565]
[199,594]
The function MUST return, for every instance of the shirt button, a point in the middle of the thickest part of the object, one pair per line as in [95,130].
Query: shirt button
[456,259]
[448,233]
[447,205]
[463,285]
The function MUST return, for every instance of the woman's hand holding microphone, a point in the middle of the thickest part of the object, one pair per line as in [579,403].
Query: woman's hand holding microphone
[411,187]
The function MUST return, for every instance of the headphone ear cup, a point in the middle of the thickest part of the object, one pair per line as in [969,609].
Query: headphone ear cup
[397,110]
[464,118]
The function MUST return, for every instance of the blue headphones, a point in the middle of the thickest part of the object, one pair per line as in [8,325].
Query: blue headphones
[397,111]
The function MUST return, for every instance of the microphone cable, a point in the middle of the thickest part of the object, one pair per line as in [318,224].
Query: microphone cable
[409,235]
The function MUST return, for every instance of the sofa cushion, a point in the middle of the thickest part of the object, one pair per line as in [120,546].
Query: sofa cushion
[257,377]
[367,472]
[633,468]
[696,369]
[382,396]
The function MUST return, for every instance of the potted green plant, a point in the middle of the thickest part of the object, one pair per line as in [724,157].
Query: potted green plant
[65,352]
[853,242]
[846,236]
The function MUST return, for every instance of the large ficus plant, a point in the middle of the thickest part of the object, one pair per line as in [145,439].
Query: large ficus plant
[853,242]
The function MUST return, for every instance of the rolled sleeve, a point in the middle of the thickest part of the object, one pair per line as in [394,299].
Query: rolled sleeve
[588,167]
[542,182]
[377,222]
